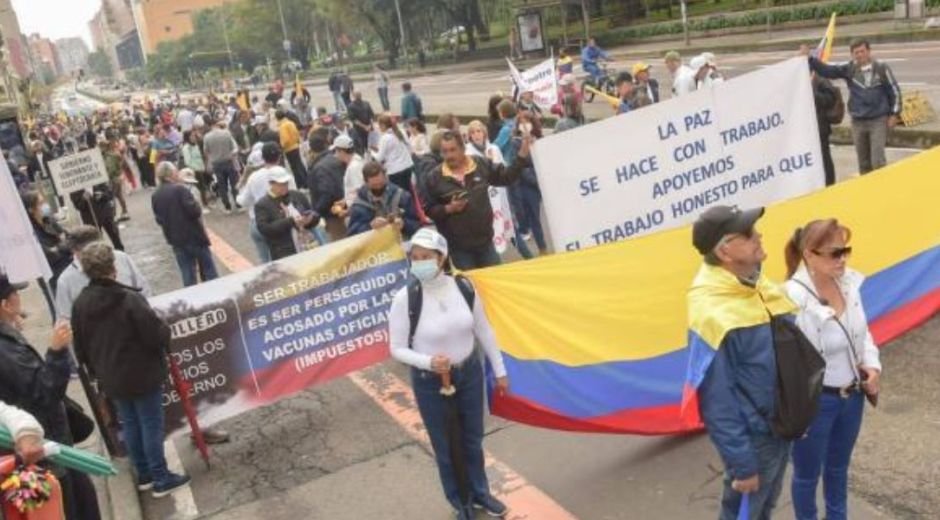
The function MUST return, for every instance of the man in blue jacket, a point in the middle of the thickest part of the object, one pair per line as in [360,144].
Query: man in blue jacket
[874,101]
[732,357]
[379,203]
[590,55]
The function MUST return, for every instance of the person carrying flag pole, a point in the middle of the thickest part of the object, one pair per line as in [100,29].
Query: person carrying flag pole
[732,370]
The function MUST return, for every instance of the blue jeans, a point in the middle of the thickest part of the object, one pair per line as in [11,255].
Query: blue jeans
[189,257]
[532,209]
[338,101]
[828,444]
[264,252]
[468,380]
[142,423]
[772,456]
[594,71]
[383,98]
[227,181]
[466,259]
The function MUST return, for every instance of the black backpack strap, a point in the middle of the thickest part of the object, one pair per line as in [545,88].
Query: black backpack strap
[415,300]
[466,290]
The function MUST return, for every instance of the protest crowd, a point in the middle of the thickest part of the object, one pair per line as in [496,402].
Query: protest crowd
[308,175]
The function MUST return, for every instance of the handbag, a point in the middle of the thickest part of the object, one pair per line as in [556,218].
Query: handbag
[80,424]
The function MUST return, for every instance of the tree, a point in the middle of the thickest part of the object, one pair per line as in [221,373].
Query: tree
[378,17]
[99,64]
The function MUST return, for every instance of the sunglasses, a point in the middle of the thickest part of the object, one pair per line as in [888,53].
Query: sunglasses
[835,253]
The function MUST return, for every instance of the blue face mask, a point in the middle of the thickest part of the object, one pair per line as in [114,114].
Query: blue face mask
[46,209]
[424,270]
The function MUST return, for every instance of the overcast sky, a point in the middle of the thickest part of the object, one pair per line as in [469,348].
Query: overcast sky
[56,19]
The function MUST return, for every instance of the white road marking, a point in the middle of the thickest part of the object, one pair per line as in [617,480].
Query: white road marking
[184,503]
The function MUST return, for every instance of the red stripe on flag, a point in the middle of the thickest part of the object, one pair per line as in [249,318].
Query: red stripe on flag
[892,325]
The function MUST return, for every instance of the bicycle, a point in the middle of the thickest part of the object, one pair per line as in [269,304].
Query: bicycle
[605,84]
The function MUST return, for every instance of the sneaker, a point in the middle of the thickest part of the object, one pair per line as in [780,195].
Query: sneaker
[145,484]
[465,513]
[172,483]
[491,506]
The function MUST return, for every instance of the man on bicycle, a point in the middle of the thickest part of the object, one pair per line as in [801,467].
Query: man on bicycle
[590,54]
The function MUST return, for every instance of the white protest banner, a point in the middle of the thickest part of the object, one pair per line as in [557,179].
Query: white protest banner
[749,142]
[503,230]
[21,257]
[78,171]
[540,79]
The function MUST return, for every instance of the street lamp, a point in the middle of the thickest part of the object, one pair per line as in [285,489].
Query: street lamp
[287,45]
[401,32]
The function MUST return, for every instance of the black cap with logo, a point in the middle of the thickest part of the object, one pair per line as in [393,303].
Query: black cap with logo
[718,221]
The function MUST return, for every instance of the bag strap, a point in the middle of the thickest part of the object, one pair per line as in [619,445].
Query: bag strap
[466,290]
[853,359]
[415,301]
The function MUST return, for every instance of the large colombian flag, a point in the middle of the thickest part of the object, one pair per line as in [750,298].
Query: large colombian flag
[596,340]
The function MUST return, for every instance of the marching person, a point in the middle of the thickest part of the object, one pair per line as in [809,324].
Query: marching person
[123,342]
[379,204]
[874,101]
[394,153]
[37,385]
[49,234]
[179,215]
[450,321]
[646,86]
[257,187]
[457,199]
[831,316]
[739,384]
[683,77]
[284,217]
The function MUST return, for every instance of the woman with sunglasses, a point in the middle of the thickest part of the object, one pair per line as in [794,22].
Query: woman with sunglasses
[833,319]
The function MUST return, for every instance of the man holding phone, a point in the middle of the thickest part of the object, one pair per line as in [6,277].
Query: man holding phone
[284,217]
[459,203]
[379,203]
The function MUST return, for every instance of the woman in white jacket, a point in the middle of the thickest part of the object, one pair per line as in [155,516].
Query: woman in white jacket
[833,318]
[26,432]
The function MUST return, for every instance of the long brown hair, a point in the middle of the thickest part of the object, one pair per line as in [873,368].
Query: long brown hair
[386,121]
[812,236]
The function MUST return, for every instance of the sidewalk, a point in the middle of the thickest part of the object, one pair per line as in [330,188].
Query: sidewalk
[117,496]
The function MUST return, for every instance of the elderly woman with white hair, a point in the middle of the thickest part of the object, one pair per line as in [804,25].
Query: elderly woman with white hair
[180,216]
[435,324]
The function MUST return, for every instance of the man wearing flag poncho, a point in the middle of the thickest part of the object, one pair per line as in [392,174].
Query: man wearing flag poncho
[732,369]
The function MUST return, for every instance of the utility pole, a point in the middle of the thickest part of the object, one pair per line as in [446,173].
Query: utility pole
[685,22]
[228,47]
[401,32]
[280,10]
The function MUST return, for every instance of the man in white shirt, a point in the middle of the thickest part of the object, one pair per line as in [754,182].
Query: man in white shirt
[256,188]
[186,117]
[683,77]
[344,148]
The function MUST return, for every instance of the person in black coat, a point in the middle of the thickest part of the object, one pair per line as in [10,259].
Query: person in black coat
[362,117]
[326,185]
[180,216]
[38,386]
[97,208]
[284,216]
[826,97]
[49,233]
[123,342]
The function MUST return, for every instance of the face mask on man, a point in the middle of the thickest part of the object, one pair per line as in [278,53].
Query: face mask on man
[45,209]
[424,270]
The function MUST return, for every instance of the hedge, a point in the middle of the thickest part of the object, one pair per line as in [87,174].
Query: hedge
[753,18]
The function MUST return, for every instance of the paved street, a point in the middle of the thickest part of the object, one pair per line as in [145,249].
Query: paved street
[352,449]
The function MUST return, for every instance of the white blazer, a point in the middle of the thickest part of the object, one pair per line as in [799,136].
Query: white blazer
[812,314]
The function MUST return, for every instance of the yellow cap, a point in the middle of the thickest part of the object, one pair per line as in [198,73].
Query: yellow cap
[640,67]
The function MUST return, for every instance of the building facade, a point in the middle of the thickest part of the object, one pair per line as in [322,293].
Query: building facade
[161,21]
[45,56]
[73,54]
[13,42]
[114,31]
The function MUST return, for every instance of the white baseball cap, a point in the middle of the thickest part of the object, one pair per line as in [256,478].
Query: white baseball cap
[698,62]
[428,238]
[280,176]
[342,142]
